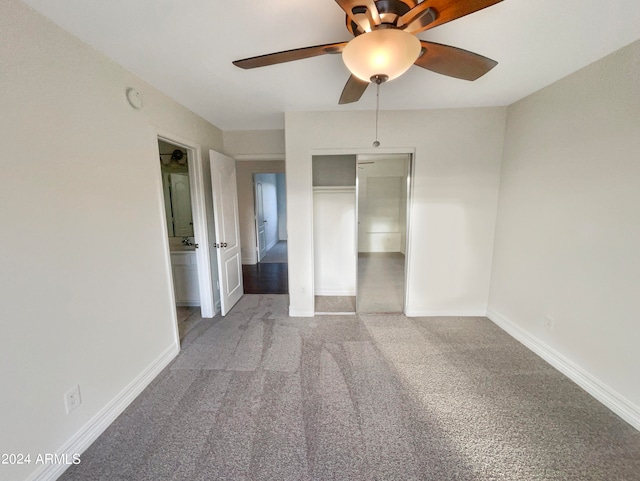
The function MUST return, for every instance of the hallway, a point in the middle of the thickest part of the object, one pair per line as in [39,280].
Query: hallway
[271,275]
[277,254]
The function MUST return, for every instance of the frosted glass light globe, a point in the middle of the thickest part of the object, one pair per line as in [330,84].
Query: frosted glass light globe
[387,52]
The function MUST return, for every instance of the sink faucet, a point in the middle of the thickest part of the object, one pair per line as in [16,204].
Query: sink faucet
[186,241]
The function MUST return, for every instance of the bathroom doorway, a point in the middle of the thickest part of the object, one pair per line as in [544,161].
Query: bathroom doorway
[186,231]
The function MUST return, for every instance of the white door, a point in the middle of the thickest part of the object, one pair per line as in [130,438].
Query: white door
[225,216]
[260,222]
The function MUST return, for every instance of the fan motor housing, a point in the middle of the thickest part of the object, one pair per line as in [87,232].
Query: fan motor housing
[390,11]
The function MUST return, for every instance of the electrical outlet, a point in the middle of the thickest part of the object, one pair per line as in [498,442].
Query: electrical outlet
[72,398]
[548,323]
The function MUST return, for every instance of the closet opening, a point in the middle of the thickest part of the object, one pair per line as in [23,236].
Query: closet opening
[360,224]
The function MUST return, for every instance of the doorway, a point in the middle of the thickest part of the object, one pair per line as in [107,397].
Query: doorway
[186,232]
[271,217]
[269,275]
[178,212]
[360,225]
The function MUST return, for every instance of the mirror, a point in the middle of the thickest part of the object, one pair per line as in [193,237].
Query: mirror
[177,192]
[382,231]
[360,219]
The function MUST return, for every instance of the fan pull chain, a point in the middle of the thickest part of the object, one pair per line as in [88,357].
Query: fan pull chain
[376,143]
[378,79]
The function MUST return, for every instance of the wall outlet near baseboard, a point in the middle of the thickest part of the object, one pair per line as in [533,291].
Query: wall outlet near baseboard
[72,398]
[549,323]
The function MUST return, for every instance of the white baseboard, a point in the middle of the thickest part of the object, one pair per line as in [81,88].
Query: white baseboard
[300,312]
[249,261]
[188,303]
[444,313]
[350,313]
[599,390]
[80,441]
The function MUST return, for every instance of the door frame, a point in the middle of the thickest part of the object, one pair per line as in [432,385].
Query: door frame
[198,211]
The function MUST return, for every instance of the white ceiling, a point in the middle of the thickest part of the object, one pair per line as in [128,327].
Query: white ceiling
[185,49]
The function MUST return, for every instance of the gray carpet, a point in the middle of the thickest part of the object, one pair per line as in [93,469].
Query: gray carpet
[260,396]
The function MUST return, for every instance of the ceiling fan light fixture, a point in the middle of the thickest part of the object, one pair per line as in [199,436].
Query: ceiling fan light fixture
[384,52]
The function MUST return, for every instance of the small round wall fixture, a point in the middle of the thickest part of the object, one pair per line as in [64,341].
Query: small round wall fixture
[134,98]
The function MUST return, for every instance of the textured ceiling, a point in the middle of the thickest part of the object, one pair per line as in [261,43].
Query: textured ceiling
[185,49]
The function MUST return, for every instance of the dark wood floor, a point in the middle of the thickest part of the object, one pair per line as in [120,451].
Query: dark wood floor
[265,278]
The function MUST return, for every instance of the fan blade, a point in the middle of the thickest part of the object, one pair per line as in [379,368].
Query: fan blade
[290,55]
[416,19]
[363,13]
[353,90]
[445,11]
[454,62]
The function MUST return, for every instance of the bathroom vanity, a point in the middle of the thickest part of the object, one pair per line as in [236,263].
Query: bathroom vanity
[185,278]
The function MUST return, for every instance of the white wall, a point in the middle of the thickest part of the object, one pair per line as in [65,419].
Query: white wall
[380,219]
[254,144]
[334,240]
[84,272]
[281,183]
[382,201]
[456,180]
[568,226]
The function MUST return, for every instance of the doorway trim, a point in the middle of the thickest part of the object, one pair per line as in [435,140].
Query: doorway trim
[411,151]
[198,210]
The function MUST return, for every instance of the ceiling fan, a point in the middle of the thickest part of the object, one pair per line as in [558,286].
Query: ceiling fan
[385,43]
